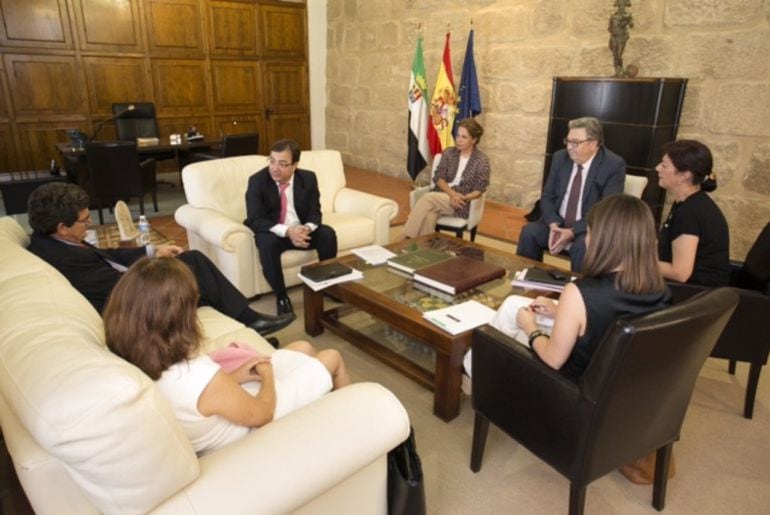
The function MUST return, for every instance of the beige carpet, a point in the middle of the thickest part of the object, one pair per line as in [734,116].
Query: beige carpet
[723,460]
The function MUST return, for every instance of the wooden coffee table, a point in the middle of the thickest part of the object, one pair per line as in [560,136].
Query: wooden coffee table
[382,315]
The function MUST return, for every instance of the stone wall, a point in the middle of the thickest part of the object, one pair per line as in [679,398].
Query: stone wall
[721,46]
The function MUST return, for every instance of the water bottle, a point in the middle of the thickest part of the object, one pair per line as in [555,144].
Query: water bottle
[144,231]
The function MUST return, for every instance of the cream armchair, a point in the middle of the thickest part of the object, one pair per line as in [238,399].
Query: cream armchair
[452,223]
[216,208]
[89,433]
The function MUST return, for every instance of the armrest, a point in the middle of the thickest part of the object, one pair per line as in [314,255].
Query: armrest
[416,193]
[285,464]
[522,395]
[212,226]
[476,211]
[365,204]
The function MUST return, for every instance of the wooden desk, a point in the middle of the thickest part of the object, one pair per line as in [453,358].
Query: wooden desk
[15,188]
[76,165]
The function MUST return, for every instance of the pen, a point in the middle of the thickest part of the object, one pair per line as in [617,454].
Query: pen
[451,317]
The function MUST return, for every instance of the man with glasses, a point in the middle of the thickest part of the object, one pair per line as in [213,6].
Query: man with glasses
[581,175]
[283,208]
[59,217]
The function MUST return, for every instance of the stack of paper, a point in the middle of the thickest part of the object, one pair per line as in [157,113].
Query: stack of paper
[460,317]
[320,285]
[505,319]
[373,254]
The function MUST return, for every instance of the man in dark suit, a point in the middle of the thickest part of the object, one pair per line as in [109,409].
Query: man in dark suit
[59,216]
[581,175]
[283,208]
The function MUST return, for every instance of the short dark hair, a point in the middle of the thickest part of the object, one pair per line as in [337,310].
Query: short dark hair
[474,128]
[689,155]
[151,318]
[592,126]
[287,144]
[55,203]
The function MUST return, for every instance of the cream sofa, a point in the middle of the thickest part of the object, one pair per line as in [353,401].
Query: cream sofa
[90,433]
[216,208]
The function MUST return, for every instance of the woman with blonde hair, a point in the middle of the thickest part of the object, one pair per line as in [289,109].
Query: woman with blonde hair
[151,321]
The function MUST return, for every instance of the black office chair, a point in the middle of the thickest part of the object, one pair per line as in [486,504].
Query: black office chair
[630,401]
[745,337]
[116,174]
[137,122]
[232,145]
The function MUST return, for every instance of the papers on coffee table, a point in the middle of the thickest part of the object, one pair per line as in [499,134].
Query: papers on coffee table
[373,254]
[460,317]
[521,280]
[320,285]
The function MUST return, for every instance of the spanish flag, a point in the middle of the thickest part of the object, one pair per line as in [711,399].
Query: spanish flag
[417,156]
[443,106]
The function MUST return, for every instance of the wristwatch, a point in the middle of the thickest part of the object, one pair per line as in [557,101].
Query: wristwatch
[535,334]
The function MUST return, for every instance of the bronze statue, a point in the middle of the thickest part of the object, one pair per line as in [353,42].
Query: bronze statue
[620,21]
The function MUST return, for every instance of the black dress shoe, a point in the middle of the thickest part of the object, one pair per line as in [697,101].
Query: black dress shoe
[267,324]
[283,306]
[272,340]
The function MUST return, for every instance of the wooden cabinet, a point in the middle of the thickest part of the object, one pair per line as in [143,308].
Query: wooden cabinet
[224,66]
[638,116]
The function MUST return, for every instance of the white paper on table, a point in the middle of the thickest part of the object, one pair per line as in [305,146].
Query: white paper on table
[373,254]
[320,285]
[460,317]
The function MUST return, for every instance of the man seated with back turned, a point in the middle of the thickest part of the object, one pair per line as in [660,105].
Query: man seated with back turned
[59,217]
[283,208]
[581,175]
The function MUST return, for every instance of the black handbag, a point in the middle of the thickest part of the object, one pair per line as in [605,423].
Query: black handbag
[406,490]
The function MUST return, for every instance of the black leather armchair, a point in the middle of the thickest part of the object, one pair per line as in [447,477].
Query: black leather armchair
[116,174]
[630,401]
[232,145]
[745,338]
[137,122]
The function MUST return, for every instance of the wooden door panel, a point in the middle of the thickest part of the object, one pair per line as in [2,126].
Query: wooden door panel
[8,161]
[236,86]
[283,30]
[38,142]
[5,103]
[240,123]
[294,126]
[174,27]
[286,87]
[180,86]
[233,29]
[115,79]
[111,26]
[45,85]
[35,23]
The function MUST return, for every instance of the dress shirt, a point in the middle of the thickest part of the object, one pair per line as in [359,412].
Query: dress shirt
[565,200]
[280,229]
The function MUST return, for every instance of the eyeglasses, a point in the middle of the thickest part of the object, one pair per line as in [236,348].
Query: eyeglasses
[280,164]
[575,142]
[87,220]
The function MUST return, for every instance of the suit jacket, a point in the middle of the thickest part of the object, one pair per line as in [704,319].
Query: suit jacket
[606,177]
[263,204]
[475,177]
[85,267]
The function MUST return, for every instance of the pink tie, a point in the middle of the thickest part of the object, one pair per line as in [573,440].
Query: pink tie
[282,187]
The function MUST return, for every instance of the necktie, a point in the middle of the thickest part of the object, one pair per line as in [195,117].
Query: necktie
[282,188]
[574,197]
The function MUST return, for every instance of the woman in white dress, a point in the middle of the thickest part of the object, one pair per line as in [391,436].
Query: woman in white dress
[151,321]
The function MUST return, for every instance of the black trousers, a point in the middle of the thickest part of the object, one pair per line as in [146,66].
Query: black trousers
[270,247]
[215,289]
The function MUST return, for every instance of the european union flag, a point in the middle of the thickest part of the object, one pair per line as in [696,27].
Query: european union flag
[470,99]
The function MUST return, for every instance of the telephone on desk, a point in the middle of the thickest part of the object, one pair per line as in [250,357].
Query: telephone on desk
[194,135]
